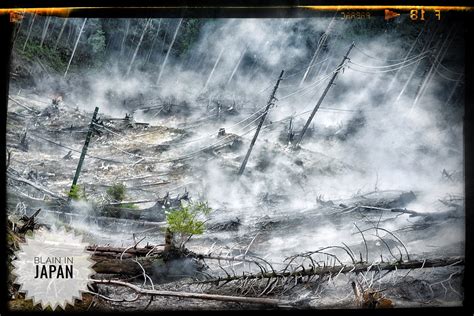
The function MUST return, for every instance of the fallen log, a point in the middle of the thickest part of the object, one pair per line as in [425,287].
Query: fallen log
[18,192]
[154,260]
[203,296]
[37,187]
[337,269]
[397,210]
[427,215]
[62,214]
[126,266]
[22,105]
[151,184]
[118,250]
[131,202]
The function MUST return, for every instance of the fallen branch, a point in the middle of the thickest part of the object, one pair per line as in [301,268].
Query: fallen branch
[18,191]
[203,296]
[106,218]
[117,250]
[131,202]
[337,269]
[397,210]
[117,260]
[22,105]
[72,149]
[150,184]
[40,188]
[109,263]
[228,258]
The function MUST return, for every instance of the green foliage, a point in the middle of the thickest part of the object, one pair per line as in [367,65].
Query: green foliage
[188,35]
[46,54]
[117,192]
[97,41]
[76,193]
[130,206]
[186,221]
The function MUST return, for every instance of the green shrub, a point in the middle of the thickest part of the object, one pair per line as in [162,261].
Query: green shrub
[186,221]
[48,56]
[117,192]
[129,205]
[76,193]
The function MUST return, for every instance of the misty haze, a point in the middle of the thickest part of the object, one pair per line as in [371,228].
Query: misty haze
[313,162]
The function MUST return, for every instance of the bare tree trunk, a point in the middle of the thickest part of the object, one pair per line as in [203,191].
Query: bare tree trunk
[426,48]
[242,54]
[45,30]
[169,51]
[453,91]
[16,30]
[124,37]
[60,33]
[75,47]
[213,69]
[357,268]
[434,66]
[136,251]
[125,266]
[69,33]
[404,60]
[164,41]
[153,42]
[138,46]
[29,31]
[321,42]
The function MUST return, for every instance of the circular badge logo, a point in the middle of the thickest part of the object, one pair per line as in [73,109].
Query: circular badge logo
[53,268]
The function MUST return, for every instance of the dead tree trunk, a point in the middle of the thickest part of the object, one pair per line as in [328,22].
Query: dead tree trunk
[45,30]
[438,58]
[136,251]
[138,47]
[75,47]
[169,51]
[29,31]
[125,35]
[38,187]
[17,28]
[356,268]
[425,49]
[150,52]
[321,42]
[125,266]
[60,33]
